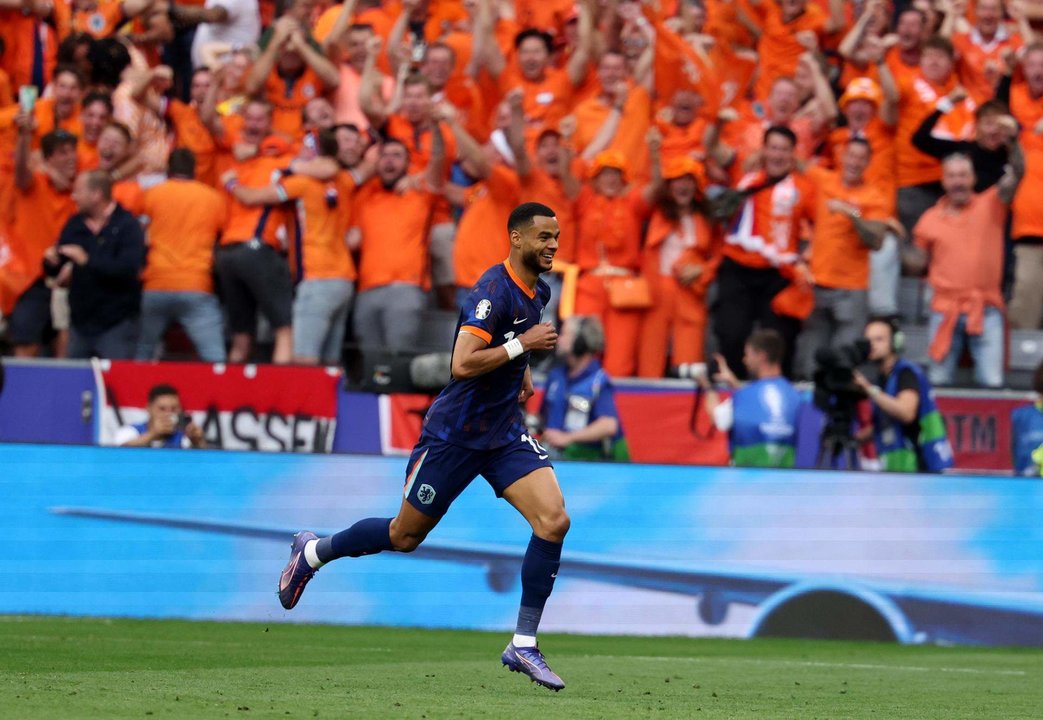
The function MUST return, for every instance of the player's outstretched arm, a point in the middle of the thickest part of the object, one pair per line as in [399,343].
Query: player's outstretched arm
[472,355]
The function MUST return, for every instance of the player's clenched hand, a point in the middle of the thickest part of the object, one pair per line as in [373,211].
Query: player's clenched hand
[539,337]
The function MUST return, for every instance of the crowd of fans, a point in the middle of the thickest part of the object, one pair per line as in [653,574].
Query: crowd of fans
[335,169]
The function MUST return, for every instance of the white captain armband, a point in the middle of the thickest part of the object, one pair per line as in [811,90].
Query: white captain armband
[514,348]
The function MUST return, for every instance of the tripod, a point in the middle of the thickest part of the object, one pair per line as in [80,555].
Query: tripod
[836,443]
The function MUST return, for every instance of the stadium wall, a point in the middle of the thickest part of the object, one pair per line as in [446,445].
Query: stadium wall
[653,549]
[308,410]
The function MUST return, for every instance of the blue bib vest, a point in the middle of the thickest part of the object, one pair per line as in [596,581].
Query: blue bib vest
[177,440]
[897,452]
[764,430]
[1026,439]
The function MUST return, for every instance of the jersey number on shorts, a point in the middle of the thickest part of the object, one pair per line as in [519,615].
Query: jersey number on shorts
[537,448]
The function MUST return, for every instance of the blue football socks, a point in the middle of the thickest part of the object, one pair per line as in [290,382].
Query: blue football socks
[539,568]
[366,537]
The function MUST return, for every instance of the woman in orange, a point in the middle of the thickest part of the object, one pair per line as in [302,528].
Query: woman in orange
[608,217]
[679,261]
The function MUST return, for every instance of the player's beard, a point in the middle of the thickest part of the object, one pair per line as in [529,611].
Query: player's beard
[531,261]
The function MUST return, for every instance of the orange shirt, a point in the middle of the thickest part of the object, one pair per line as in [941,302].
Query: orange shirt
[101,22]
[899,70]
[130,195]
[545,101]
[244,223]
[321,206]
[1027,210]
[185,218]
[21,34]
[747,138]
[288,97]
[917,98]
[394,235]
[778,49]
[41,212]
[47,121]
[980,64]
[539,186]
[1028,111]
[191,133]
[678,67]
[6,96]
[346,97]
[549,15]
[838,258]
[765,231]
[418,140]
[609,229]
[881,170]
[481,240]
[682,141]
[86,155]
[702,248]
[633,126]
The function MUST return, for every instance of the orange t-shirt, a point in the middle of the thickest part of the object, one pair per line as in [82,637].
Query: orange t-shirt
[881,170]
[191,133]
[609,229]
[633,127]
[20,33]
[1027,210]
[838,258]
[704,249]
[323,253]
[917,98]
[346,97]
[46,121]
[777,47]
[41,212]
[86,156]
[130,195]
[394,235]
[6,96]
[101,22]
[419,142]
[980,64]
[765,231]
[545,101]
[549,15]
[747,138]
[288,98]
[185,219]
[244,223]
[966,246]
[682,141]
[539,186]
[481,239]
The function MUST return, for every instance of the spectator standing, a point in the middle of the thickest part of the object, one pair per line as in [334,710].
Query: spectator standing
[579,414]
[761,416]
[43,203]
[106,247]
[960,241]
[324,264]
[184,219]
[95,116]
[233,23]
[851,219]
[907,428]
[680,258]
[980,51]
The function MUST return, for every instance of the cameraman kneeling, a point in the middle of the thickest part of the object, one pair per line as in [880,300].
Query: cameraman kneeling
[760,417]
[908,429]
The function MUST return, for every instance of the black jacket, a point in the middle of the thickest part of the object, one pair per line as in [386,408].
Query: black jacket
[988,164]
[107,289]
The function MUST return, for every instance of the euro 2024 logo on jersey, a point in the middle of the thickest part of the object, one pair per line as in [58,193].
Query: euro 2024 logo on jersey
[484,308]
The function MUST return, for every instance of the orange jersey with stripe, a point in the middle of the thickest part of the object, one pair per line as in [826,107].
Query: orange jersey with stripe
[185,219]
[766,230]
[322,209]
[244,223]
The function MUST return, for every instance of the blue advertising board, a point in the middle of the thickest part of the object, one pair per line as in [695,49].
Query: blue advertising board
[652,550]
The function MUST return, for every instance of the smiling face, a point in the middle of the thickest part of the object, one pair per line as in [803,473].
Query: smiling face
[958,180]
[532,58]
[94,118]
[113,148]
[68,92]
[778,156]
[537,243]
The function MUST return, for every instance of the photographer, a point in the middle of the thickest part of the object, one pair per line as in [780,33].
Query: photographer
[908,429]
[579,408]
[167,425]
[761,416]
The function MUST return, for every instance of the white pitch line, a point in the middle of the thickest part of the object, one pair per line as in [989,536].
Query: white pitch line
[811,663]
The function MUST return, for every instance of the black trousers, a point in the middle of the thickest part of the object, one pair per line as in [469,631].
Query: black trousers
[743,302]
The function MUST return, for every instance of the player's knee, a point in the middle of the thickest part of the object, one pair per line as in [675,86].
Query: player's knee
[404,542]
[554,526]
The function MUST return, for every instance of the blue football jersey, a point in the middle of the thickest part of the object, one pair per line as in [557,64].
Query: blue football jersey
[483,412]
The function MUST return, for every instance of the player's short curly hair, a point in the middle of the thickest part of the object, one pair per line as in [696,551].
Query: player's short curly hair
[521,217]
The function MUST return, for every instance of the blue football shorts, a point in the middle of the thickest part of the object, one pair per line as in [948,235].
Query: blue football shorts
[439,471]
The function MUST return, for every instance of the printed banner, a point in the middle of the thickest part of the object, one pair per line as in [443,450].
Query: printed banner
[979,430]
[239,407]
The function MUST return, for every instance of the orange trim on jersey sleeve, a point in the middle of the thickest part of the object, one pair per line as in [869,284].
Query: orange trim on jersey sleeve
[530,292]
[477,332]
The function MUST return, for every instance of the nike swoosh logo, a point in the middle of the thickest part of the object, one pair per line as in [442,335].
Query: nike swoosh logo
[544,457]
[519,321]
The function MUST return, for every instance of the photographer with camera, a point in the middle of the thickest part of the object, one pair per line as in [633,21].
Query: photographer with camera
[908,429]
[579,412]
[761,416]
[167,425]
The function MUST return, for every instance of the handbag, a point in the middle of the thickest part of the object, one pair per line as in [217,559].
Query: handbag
[629,292]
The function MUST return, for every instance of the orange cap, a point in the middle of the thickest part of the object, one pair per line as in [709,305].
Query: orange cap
[609,159]
[677,167]
[862,88]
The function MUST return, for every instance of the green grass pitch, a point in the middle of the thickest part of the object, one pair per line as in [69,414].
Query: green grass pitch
[93,668]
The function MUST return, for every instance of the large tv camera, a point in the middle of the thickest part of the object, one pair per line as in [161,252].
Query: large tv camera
[837,396]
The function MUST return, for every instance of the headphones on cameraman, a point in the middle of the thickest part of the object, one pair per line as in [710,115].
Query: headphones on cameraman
[897,336]
[590,338]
